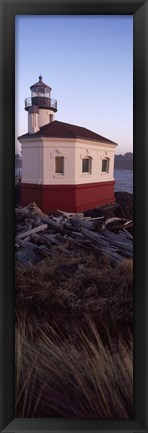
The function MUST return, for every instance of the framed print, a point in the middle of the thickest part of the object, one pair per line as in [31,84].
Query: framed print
[73,326]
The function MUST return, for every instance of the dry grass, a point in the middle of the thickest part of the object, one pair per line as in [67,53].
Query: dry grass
[83,379]
[95,288]
[74,338]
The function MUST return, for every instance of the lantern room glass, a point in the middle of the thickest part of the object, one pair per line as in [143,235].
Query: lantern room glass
[41,91]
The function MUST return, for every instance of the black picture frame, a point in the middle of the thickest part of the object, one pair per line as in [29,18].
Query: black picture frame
[139,10]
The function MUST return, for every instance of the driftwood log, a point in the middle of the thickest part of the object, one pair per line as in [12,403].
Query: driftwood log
[68,232]
[31,231]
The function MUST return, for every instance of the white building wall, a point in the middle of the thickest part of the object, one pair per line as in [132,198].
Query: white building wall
[35,120]
[44,117]
[96,151]
[33,123]
[38,161]
[73,152]
[32,161]
[58,147]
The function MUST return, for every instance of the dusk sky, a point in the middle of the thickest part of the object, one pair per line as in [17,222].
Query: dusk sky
[88,62]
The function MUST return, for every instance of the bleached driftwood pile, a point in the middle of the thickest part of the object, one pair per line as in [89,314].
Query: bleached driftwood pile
[40,234]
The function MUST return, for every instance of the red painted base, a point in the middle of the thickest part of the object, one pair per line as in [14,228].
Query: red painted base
[70,198]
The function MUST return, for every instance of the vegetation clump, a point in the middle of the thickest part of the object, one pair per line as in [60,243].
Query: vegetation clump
[74,327]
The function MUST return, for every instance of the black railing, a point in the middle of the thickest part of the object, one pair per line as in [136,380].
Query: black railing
[41,102]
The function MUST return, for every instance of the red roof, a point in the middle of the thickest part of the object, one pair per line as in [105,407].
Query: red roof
[58,129]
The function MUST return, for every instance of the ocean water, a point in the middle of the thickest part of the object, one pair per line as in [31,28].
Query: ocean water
[123,179]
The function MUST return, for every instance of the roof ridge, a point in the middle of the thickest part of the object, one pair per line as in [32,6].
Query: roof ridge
[85,129]
[68,130]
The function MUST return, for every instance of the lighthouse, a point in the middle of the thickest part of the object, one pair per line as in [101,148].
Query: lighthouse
[64,166]
[41,107]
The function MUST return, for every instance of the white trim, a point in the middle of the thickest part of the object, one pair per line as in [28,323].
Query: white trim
[64,181]
[71,140]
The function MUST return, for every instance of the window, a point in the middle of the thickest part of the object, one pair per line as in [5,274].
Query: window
[41,91]
[59,164]
[47,93]
[105,165]
[86,165]
[50,117]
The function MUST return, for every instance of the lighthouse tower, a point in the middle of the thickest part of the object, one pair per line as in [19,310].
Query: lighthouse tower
[64,166]
[41,107]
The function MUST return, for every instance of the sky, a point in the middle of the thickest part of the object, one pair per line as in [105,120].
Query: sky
[88,63]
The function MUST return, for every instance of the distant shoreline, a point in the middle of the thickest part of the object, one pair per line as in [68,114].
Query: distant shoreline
[124,162]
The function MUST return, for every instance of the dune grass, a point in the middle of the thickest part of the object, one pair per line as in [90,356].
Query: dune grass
[74,331]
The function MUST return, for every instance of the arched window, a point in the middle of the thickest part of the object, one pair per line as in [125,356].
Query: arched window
[59,164]
[87,165]
[105,165]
